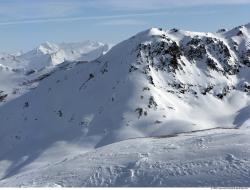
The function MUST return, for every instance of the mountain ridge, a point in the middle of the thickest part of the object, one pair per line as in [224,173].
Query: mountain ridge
[156,83]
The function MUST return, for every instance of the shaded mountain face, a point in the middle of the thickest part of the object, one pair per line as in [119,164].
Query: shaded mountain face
[156,83]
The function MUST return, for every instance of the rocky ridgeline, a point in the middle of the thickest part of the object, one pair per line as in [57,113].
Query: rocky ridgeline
[211,53]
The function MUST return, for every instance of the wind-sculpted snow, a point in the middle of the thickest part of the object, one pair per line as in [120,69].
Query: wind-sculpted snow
[187,160]
[157,83]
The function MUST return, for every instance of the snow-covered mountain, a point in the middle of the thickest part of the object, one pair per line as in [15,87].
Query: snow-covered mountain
[50,54]
[155,84]
[16,69]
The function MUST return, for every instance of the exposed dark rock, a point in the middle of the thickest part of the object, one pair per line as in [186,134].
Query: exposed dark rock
[211,64]
[2,96]
[152,103]
[207,90]
[132,68]
[139,111]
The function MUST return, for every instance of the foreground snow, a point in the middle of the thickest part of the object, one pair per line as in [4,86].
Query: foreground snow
[219,157]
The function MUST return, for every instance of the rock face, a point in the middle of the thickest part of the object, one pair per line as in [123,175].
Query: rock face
[156,83]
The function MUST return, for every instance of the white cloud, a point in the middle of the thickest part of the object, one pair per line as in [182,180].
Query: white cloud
[64,19]
[160,4]
[16,10]
[120,19]
[122,22]
[29,11]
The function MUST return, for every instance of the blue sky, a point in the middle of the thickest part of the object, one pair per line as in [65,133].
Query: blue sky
[26,23]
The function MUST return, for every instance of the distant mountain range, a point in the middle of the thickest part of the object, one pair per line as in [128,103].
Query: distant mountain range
[17,68]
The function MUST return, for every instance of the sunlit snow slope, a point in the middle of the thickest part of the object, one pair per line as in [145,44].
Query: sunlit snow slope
[200,159]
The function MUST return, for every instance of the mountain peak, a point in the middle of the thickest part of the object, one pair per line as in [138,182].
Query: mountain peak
[47,48]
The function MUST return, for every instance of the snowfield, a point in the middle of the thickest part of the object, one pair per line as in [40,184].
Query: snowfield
[162,108]
[210,158]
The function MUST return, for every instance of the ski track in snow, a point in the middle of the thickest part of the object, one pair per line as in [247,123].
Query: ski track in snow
[201,159]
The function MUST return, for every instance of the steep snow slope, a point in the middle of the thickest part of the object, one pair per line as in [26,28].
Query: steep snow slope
[239,39]
[155,83]
[18,68]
